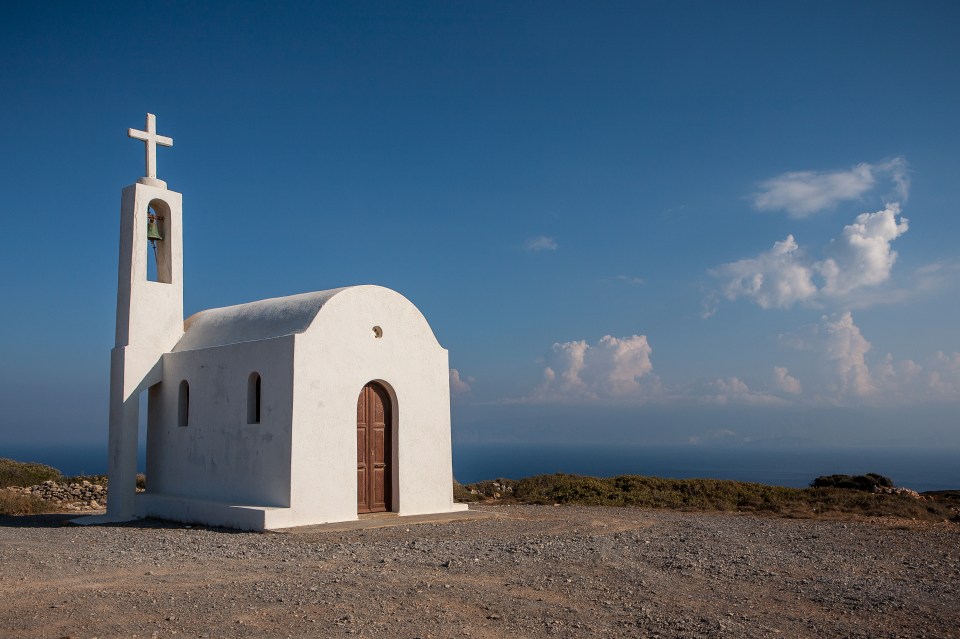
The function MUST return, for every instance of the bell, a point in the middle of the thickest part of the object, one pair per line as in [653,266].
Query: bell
[153,231]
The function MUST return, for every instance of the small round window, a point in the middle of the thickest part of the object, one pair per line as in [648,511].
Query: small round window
[377,332]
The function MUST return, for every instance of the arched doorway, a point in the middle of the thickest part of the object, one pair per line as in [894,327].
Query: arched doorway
[374,446]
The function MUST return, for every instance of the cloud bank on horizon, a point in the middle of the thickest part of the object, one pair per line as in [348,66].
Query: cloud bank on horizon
[846,370]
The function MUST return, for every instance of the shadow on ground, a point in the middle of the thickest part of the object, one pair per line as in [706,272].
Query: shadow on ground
[57,520]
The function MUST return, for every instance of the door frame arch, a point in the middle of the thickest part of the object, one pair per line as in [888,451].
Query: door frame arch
[391,436]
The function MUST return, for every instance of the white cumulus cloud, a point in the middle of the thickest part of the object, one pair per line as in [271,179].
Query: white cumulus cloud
[862,255]
[611,368]
[803,193]
[938,379]
[458,386]
[847,349]
[777,278]
[943,379]
[892,376]
[786,382]
[733,390]
[785,275]
[541,243]
[849,370]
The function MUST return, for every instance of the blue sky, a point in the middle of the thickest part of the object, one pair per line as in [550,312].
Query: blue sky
[666,221]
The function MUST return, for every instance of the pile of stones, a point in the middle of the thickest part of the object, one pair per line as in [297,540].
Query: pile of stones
[496,489]
[897,490]
[78,496]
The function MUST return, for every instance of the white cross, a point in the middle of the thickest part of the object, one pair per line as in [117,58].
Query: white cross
[151,140]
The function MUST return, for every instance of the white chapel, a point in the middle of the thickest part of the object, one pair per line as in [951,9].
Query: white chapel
[291,411]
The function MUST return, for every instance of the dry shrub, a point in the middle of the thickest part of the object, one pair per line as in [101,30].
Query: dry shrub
[99,480]
[715,494]
[15,473]
[462,494]
[12,503]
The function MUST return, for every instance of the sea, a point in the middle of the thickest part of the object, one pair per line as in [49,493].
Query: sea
[921,469]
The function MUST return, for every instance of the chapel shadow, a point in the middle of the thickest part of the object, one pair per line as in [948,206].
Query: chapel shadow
[48,520]
[64,520]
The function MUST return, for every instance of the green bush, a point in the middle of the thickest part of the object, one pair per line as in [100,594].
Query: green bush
[14,473]
[712,494]
[867,482]
[651,492]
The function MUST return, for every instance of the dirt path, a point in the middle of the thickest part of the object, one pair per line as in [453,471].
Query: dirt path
[523,571]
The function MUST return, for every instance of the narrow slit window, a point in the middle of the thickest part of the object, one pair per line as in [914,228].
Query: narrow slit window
[253,398]
[183,404]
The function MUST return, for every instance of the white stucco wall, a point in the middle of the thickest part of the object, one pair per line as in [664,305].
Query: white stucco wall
[149,314]
[219,456]
[334,358]
[149,323]
[314,353]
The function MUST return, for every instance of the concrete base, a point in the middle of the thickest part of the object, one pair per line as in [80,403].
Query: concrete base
[242,517]
[388,520]
[209,513]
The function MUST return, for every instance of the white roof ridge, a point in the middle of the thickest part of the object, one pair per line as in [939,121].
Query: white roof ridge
[253,321]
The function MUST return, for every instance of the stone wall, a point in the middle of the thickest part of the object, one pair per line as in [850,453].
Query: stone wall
[81,496]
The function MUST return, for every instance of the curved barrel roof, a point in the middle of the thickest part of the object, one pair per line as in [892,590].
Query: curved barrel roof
[263,319]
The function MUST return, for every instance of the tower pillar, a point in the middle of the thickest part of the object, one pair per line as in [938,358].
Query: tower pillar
[149,316]
[149,324]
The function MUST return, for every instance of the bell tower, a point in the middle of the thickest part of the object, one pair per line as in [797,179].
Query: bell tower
[149,311]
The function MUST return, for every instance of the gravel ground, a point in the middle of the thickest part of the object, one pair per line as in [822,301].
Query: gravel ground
[520,571]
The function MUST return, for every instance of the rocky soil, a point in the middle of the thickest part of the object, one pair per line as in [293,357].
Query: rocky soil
[517,571]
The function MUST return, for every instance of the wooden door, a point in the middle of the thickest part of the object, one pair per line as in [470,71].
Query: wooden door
[374,422]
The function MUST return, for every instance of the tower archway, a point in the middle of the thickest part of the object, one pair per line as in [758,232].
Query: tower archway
[159,259]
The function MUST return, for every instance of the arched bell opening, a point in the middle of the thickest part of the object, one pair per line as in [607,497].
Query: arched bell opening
[159,262]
